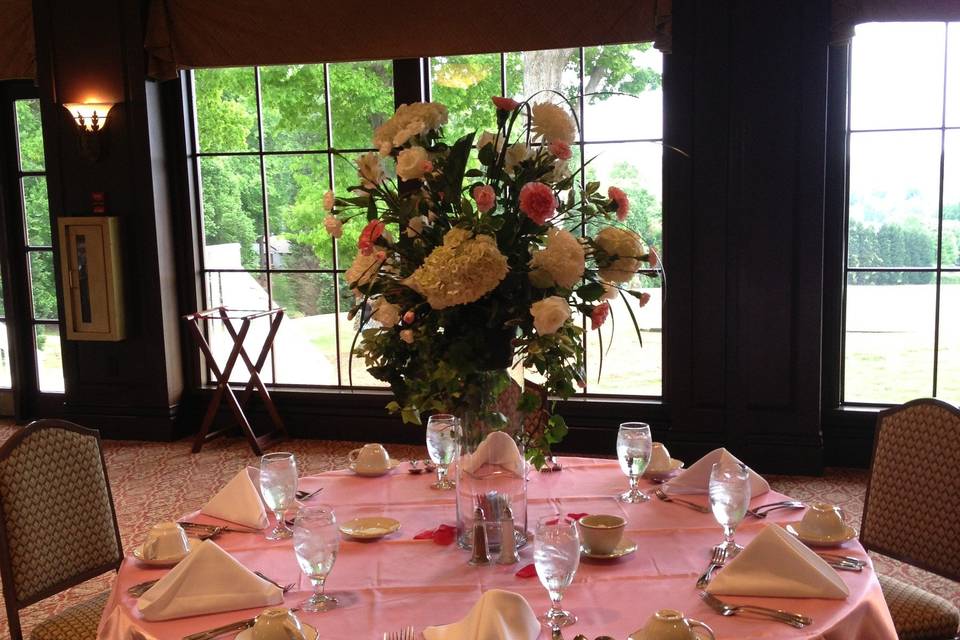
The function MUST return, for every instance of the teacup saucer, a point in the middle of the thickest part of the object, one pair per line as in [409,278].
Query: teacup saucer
[164,562]
[675,465]
[849,533]
[625,548]
[393,464]
[309,632]
[369,528]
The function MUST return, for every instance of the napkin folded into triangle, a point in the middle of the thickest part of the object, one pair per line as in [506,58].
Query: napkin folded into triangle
[497,449]
[239,501]
[696,479]
[776,564]
[497,615]
[209,580]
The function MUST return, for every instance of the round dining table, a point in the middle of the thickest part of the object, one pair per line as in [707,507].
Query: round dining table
[398,581]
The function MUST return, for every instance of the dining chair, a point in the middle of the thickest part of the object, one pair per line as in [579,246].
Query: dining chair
[912,511]
[58,526]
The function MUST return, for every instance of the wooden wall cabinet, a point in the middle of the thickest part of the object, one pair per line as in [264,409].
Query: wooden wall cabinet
[92,283]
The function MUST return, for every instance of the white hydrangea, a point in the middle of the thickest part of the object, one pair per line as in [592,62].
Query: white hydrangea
[561,262]
[625,250]
[552,123]
[409,120]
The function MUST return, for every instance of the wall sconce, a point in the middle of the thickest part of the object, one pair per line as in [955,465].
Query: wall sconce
[90,119]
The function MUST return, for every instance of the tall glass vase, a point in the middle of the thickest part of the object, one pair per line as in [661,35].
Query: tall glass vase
[491,467]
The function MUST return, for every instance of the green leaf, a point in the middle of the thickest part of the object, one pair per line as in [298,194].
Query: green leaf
[487,155]
[592,187]
[633,317]
[410,415]
[474,173]
[591,291]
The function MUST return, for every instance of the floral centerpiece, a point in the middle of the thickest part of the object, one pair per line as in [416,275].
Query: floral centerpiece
[465,272]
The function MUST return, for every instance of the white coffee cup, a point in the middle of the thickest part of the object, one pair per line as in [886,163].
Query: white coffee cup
[600,533]
[669,624]
[823,520]
[166,540]
[370,458]
[277,624]
[660,461]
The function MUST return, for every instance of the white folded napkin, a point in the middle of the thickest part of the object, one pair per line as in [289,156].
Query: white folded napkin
[499,449]
[775,564]
[498,615]
[210,580]
[239,501]
[696,479]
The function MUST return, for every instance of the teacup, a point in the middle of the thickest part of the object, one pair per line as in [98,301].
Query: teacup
[166,540]
[823,520]
[370,458]
[669,624]
[277,624]
[660,461]
[600,534]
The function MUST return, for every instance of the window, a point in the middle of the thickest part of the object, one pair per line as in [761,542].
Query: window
[902,274]
[265,139]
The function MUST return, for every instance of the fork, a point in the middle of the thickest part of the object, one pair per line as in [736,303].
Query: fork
[717,560]
[661,494]
[407,633]
[306,495]
[763,510]
[138,590]
[283,588]
[726,609]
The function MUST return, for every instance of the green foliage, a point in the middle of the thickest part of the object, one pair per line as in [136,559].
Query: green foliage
[896,246]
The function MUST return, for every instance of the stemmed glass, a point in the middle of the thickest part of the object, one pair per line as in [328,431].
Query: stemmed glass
[634,446]
[316,541]
[278,485]
[729,500]
[556,554]
[442,446]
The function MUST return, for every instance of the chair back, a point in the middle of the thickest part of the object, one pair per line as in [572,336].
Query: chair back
[912,508]
[58,526]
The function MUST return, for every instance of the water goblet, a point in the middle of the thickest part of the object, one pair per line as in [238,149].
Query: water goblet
[442,446]
[729,500]
[316,541]
[556,554]
[634,446]
[278,485]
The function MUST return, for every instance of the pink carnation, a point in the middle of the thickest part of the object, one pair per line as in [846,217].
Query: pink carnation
[644,299]
[560,149]
[409,317]
[599,315]
[485,197]
[537,201]
[620,199]
[370,234]
[654,258]
[505,104]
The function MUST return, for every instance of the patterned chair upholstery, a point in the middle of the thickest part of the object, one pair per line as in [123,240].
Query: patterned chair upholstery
[913,498]
[54,495]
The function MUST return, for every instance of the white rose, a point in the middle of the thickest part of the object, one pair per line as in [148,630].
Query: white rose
[386,313]
[370,169]
[333,226]
[624,250]
[415,226]
[328,201]
[561,262]
[552,122]
[412,163]
[407,336]
[516,153]
[488,138]
[549,314]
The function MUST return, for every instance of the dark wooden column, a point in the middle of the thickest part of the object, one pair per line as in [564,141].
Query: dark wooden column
[746,97]
[131,388]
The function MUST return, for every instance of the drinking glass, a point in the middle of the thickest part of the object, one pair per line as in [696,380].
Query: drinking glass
[442,445]
[316,541]
[556,554]
[278,485]
[634,446]
[729,500]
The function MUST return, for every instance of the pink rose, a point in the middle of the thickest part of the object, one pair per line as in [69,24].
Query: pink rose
[560,149]
[409,317]
[485,197]
[370,234]
[537,201]
[620,199]
[644,299]
[504,104]
[653,258]
[599,315]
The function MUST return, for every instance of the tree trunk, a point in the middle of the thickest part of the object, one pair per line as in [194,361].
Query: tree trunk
[542,70]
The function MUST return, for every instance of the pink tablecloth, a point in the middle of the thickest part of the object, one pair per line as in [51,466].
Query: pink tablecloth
[395,582]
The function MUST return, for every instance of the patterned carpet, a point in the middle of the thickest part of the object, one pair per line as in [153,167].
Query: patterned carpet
[187,480]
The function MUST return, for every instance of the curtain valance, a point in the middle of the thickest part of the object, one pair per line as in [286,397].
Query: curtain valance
[184,34]
[847,14]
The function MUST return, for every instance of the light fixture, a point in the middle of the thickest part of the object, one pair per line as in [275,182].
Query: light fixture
[91,118]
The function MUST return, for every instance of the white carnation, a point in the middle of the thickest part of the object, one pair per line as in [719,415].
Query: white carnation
[549,314]
[370,169]
[624,251]
[409,120]
[560,263]
[552,123]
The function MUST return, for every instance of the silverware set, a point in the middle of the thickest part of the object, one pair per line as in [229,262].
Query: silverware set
[232,627]
[421,466]
[282,587]
[662,495]
[763,510]
[844,563]
[204,531]
[407,633]
[306,495]
[717,560]
[728,609]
